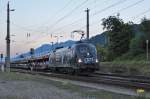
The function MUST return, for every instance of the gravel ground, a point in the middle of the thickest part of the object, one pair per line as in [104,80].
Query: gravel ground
[33,90]
[22,86]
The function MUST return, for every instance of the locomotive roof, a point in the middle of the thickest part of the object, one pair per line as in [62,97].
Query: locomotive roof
[59,47]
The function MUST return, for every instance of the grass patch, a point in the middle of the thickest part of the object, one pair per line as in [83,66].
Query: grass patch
[127,67]
[10,97]
[14,76]
[128,64]
[89,93]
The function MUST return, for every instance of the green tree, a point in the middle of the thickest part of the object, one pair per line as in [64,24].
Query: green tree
[145,28]
[145,25]
[119,36]
[136,45]
[101,52]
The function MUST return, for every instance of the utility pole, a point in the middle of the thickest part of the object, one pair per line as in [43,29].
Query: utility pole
[8,40]
[147,41]
[87,24]
[7,60]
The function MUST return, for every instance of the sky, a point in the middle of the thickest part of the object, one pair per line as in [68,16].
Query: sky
[45,19]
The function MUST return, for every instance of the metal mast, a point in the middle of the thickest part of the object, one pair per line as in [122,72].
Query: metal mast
[8,39]
[87,24]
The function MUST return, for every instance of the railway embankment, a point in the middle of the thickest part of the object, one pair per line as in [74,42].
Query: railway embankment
[126,67]
[25,86]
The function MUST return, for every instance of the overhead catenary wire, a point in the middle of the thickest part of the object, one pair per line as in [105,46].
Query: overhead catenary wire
[110,6]
[68,14]
[36,30]
[142,13]
[102,10]
[59,20]
[117,3]
[105,9]
[56,13]
[74,22]
[41,24]
[77,7]
[132,5]
[125,8]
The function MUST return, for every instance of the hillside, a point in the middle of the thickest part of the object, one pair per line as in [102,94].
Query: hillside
[102,39]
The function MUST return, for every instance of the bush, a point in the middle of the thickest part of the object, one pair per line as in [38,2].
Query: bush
[101,52]
[136,45]
[119,69]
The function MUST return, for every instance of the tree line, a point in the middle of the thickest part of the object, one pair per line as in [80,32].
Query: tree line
[122,38]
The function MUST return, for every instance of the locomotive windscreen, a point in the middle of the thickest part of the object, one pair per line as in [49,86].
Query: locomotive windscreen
[86,49]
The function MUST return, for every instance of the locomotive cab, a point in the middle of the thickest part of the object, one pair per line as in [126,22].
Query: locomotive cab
[86,56]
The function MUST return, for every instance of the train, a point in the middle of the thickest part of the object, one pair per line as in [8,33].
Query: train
[80,57]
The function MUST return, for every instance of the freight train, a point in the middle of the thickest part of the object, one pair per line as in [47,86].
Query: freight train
[80,57]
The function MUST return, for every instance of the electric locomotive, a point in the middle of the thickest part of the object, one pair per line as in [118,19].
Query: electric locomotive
[80,57]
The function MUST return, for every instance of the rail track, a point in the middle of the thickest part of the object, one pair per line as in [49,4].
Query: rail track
[132,78]
[134,82]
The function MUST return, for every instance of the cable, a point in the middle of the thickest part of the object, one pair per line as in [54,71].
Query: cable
[74,22]
[138,15]
[117,3]
[110,6]
[98,4]
[136,3]
[35,30]
[68,14]
[56,13]
[125,8]
[104,9]
[77,7]
[27,29]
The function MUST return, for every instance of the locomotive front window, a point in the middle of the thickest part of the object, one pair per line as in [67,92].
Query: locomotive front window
[84,49]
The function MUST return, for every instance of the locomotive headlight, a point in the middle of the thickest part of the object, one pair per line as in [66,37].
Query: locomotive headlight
[97,61]
[79,60]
